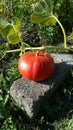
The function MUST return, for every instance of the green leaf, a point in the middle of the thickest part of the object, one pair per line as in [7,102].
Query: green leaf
[5,31]
[43,13]
[70,38]
[1,3]
[10,31]
[3,23]
[14,38]
[17,25]
[5,27]
[71,35]
[50,21]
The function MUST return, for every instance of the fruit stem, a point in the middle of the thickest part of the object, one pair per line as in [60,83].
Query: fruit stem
[37,53]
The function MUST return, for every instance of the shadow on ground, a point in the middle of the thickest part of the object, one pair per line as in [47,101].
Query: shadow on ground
[58,107]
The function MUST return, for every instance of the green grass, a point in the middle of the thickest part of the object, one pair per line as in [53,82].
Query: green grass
[56,113]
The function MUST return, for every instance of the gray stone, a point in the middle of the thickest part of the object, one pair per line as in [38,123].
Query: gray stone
[30,95]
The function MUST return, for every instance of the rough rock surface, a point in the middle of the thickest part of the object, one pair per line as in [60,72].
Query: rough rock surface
[30,95]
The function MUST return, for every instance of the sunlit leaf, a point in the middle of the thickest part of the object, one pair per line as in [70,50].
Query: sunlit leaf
[1,3]
[5,31]
[50,21]
[71,35]
[10,31]
[43,13]
[70,38]
[16,24]
[3,23]
[14,38]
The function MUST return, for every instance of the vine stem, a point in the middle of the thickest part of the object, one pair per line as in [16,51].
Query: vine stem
[37,48]
[40,48]
[62,28]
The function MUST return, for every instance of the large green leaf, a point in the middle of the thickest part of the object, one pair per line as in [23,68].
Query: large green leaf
[3,23]
[70,38]
[71,35]
[11,31]
[16,24]
[4,27]
[43,13]
[14,38]
[5,31]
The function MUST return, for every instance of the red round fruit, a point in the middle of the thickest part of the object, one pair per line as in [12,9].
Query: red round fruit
[36,66]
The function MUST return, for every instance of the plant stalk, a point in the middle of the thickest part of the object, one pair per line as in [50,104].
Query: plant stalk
[62,28]
[40,48]
[37,49]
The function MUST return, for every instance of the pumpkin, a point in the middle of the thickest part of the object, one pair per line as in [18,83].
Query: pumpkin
[36,66]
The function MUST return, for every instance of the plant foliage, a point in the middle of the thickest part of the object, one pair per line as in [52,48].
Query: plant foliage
[43,13]
[10,31]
